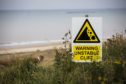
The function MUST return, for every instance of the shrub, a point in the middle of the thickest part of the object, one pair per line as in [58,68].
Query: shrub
[110,71]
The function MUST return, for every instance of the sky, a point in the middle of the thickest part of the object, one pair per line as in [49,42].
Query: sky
[35,20]
[61,4]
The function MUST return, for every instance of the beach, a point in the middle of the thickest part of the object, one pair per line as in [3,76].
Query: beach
[31,48]
[48,51]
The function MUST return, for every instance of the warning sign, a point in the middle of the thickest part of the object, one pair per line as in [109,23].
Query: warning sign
[86,53]
[87,39]
[86,34]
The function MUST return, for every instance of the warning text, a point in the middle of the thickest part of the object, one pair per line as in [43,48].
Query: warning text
[86,53]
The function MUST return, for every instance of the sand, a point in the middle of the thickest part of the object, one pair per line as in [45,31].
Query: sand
[48,51]
[31,48]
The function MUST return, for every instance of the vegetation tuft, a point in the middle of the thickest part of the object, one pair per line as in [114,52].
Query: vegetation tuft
[112,69]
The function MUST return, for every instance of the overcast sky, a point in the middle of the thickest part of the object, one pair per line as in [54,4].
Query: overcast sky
[61,4]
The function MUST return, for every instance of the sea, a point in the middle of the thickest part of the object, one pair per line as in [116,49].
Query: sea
[31,27]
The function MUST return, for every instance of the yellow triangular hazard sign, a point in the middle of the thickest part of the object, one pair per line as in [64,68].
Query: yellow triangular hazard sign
[86,34]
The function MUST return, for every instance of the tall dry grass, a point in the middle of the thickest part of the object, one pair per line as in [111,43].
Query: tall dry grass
[112,70]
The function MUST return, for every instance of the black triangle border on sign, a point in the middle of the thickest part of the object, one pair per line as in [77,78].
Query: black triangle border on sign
[86,41]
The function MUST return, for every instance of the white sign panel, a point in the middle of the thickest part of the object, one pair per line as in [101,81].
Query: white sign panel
[87,39]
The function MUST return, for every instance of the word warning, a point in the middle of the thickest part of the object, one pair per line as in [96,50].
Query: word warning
[87,39]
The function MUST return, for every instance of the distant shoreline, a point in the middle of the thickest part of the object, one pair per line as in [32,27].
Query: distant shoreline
[31,48]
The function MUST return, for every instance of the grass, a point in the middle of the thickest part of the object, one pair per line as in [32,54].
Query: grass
[63,71]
